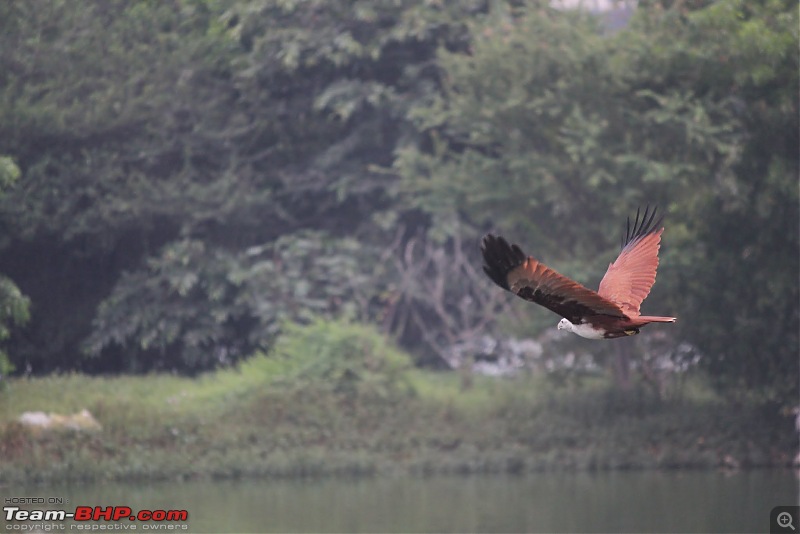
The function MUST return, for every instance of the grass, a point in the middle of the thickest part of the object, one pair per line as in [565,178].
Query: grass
[282,416]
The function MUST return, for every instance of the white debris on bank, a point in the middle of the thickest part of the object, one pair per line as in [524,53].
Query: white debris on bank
[556,351]
[80,421]
[490,356]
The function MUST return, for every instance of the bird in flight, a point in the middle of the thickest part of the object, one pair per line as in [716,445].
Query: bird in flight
[610,312]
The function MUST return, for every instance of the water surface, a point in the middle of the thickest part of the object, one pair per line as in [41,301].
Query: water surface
[583,502]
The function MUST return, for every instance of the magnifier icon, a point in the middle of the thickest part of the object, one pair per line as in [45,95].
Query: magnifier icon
[785,520]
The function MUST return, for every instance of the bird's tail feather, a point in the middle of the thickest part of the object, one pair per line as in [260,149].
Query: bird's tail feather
[656,319]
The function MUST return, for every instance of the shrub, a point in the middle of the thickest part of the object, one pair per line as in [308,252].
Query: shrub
[353,358]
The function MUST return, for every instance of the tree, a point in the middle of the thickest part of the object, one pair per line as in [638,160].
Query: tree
[552,129]
[14,306]
[183,134]
[739,270]
[100,109]
[193,171]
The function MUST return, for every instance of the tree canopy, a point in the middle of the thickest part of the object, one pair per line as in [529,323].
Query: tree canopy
[192,174]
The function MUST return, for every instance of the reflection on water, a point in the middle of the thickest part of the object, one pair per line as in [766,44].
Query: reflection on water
[582,502]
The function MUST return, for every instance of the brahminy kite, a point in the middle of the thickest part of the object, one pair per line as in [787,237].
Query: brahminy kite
[613,310]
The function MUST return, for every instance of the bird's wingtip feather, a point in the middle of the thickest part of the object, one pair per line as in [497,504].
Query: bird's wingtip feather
[643,225]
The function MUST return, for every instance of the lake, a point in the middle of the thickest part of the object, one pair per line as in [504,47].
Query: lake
[675,501]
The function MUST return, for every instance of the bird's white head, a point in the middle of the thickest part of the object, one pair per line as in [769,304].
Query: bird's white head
[564,324]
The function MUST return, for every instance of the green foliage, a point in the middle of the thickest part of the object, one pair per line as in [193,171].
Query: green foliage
[353,359]
[739,260]
[182,305]
[193,174]
[549,120]
[226,124]
[14,311]
[14,306]
[9,172]
[553,131]
[102,108]
[194,309]
[96,140]
[262,420]
[306,274]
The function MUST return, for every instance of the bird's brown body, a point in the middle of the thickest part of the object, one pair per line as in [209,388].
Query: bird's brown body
[610,312]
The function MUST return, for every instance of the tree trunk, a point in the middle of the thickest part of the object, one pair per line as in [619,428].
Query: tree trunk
[622,366]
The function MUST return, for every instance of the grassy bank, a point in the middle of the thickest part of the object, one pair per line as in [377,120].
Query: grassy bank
[291,416]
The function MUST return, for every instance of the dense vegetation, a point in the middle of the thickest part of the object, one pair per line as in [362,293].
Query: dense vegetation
[358,407]
[183,179]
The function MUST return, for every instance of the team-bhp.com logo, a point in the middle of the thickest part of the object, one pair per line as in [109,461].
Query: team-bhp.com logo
[98,513]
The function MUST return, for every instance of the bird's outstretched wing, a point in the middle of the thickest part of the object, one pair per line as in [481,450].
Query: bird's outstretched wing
[628,280]
[531,280]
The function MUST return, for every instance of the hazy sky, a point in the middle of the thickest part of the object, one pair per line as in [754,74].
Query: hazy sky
[595,5]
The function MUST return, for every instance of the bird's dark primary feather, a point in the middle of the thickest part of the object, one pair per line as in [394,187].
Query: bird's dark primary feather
[641,226]
[500,258]
[538,283]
